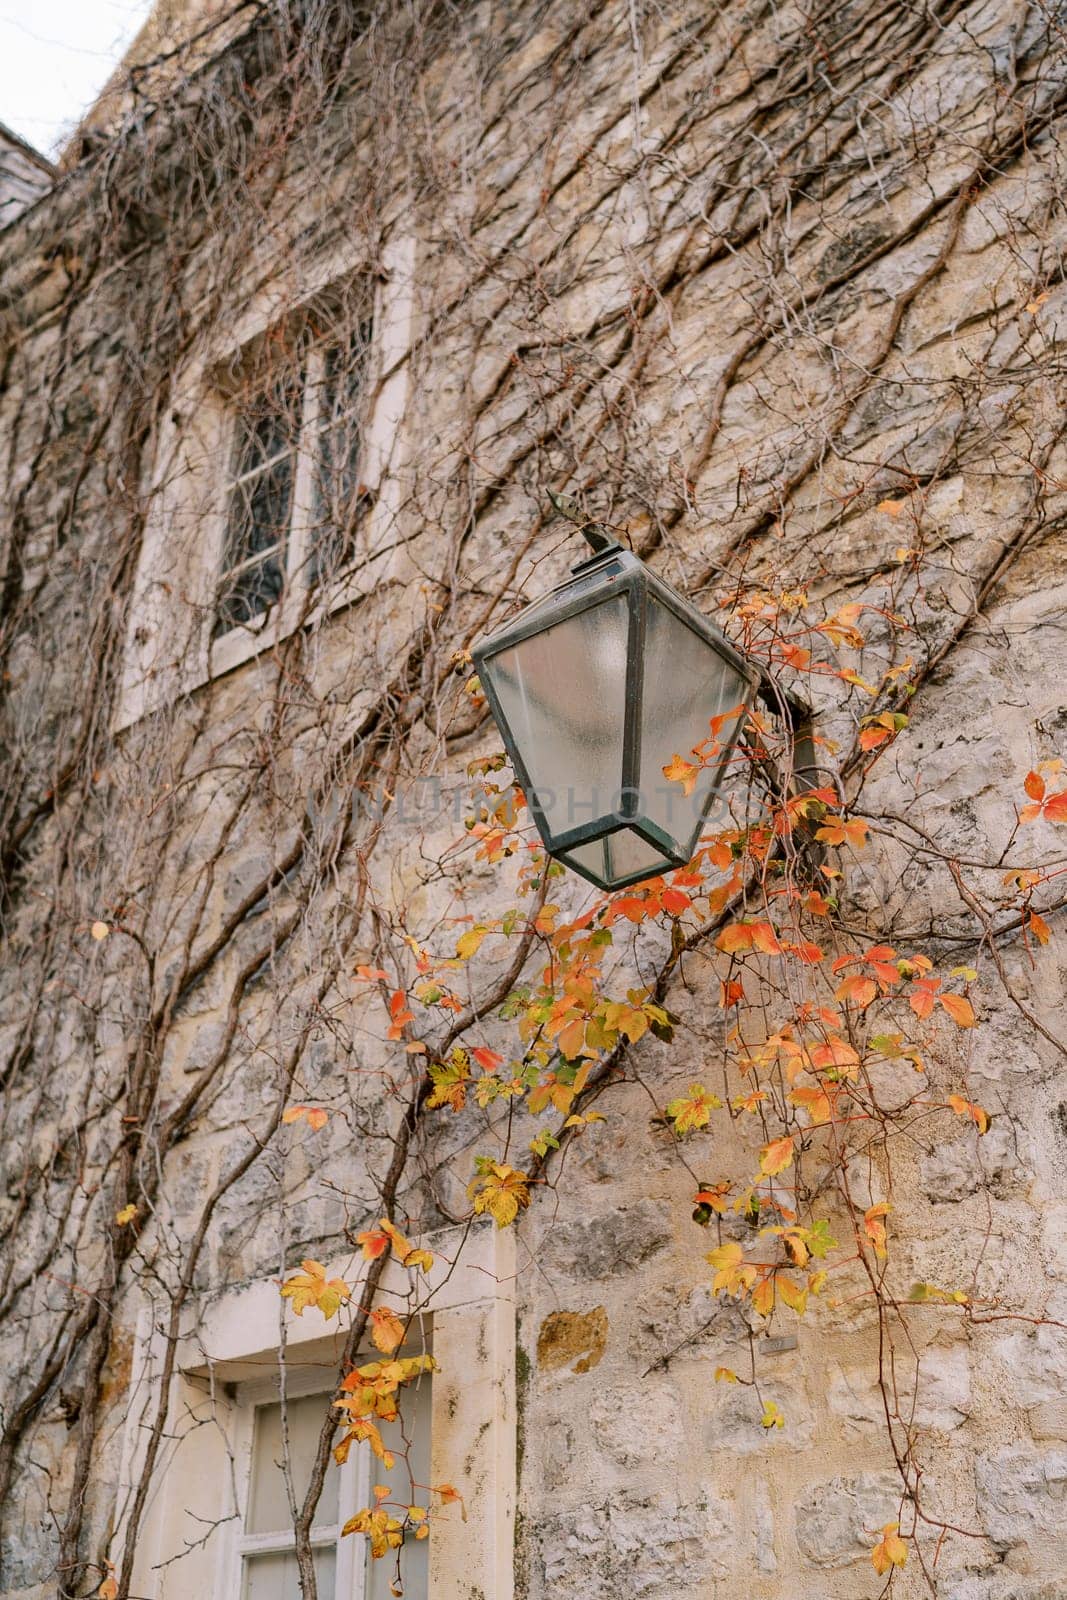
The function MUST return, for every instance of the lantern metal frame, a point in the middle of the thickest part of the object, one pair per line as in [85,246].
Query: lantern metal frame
[618,572]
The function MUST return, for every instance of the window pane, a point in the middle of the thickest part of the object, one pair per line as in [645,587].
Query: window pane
[268,1508]
[686,684]
[618,856]
[563,693]
[276,1576]
[259,512]
[249,593]
[267,423]
[340,496]
[407,1482]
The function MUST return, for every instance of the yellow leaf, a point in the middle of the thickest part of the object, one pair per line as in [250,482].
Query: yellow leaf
[127,1214]
[468,943]
[772,1417]
[312,1288]
[794,1296]
[405,1252]
[387,1330]
[776,1156]
[693,1109]
[502,1191]
[724,1375]
[100,930]
[890,1551]
[108,1590]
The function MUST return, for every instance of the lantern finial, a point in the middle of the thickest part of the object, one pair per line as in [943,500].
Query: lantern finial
[595,535]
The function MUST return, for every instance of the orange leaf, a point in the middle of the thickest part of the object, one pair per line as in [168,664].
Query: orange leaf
[836,831]
[373,1243]
[861,990]
[964,1108]
[571,1038]
[890,1551]
[776,1156]
[316,1117]
[1034,784]
[874,1227]
[683,772]
[921,1002]
[387,1330]
[730,993]
[959,1009]
[763,1298]
[1039,928]
[764,938]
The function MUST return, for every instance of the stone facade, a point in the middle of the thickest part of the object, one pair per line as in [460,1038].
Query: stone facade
[24,175]
[782,293]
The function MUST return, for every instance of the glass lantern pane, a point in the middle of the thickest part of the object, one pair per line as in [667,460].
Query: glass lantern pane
[687,682]
[268,1509]
[275,1575]
[563,693]
[618,857]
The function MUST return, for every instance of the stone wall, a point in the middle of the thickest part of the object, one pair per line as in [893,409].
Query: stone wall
[24,176]
[746,278]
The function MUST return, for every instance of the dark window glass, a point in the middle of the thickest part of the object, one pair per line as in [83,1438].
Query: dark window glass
[341,496]
[260,502]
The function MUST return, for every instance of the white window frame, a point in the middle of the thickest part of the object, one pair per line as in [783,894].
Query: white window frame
[354,1481]
[169,648]
[234,1339]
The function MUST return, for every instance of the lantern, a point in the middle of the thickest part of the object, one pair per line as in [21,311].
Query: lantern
[595,687]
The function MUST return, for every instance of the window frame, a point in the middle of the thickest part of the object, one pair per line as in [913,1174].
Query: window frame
[232,1339]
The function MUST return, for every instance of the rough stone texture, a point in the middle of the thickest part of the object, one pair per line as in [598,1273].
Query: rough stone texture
[642,1543]
[835,1518]
[1022,1494]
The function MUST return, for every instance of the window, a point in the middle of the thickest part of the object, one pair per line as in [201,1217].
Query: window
[277,1445]
[297,494]
[275,496]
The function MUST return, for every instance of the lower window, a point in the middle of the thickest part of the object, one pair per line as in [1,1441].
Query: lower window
[277,1451]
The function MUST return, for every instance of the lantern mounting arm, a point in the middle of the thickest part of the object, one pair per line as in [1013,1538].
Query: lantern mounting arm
[595,534]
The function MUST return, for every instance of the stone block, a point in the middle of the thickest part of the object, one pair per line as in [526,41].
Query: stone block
[609,1245]
[636,1545]
[1022,1492]
[838,1520]
[953,1171]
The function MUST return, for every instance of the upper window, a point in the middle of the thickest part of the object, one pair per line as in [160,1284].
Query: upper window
[275,490]
[298,490]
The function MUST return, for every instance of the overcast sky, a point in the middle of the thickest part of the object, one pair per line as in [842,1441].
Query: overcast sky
[55,57]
